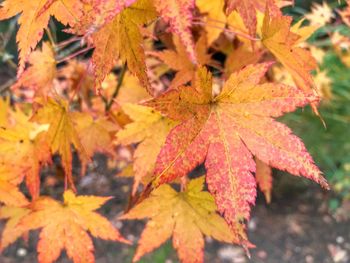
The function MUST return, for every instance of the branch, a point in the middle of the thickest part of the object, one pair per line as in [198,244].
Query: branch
[116,91]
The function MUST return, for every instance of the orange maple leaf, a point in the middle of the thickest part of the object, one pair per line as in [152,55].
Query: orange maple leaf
[120,38]
[186,216]
[240,57]
[11,231]
[264,178]
[40,74]
[65,226]
[34,19]
[61,133]
[278,38]
[345,13]
[96,135]
[178,13]
[226,131]
[108,9]
[178,60]
[247,9]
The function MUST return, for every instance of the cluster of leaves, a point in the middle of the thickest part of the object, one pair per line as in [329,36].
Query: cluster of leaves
[178,84]
[330,46]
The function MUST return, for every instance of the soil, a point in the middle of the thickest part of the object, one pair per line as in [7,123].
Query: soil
[296,227]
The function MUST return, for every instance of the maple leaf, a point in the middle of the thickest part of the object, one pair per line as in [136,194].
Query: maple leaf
[247,10]
[186,216]
[345,13]
[178,13]
[61,132]
[89,130]
[77,79]
[11,231]
[40,75]
[278,38]
[320,14]
[108,9]
[121,38]
[9,191]
[131,91]
[241,57]
[178,60]
[65,226]
[23,146]
[324,86]
[215,14]
[226,131]
[34,19]
[264,178]
[149,128]
[4,109]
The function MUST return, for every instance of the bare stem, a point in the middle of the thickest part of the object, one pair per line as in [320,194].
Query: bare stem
[65,43]
[4,87]
[116,91]
[49,35]
[79,52]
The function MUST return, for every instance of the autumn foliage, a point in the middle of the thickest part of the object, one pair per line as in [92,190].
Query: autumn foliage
[176,83]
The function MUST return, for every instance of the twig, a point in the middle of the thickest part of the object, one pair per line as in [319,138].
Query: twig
[74,55]
[49,35]
[116,91]
[6,85]
[67,42]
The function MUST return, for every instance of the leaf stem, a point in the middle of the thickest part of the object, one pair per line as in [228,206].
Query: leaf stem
[4,87]
[65,43]
[116,91]
[49,35]
[79,52]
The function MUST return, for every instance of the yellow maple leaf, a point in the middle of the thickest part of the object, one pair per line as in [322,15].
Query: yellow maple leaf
[187,216]
[320,15]
[278,38]
[341,46]
[324,85]
[149,128]
[215,19]
[23,146]
[4,109]
[131,91]
[10,178]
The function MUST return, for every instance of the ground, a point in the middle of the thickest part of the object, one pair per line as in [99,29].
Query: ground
[296,227]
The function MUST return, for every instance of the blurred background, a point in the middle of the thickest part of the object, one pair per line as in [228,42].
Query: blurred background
[303,223]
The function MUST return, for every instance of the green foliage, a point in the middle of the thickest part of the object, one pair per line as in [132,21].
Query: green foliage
[329,145]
